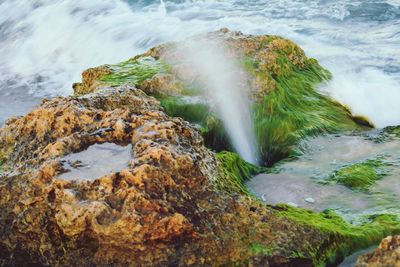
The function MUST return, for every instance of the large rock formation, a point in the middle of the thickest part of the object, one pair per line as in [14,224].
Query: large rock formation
[386,255]
[271,66]
[172,204]
[161,210]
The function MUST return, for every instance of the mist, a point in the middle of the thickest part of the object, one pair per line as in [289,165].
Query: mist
[223,82]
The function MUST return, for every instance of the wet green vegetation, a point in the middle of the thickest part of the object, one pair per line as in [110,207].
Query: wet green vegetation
[354,237]
[288,110]
[294,111]
[392,130]
[362,175]
[233,172]
[133,71]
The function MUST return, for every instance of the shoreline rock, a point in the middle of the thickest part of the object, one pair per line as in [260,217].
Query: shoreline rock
[387,254]
[173,204]
[281,82]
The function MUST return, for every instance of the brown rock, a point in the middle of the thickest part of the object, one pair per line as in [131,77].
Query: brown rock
[90,78]
[386,255]
[162,209]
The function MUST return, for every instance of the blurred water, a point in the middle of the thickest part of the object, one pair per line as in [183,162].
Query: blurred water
[302,179]
[45,44]
[223,83]
[96,161]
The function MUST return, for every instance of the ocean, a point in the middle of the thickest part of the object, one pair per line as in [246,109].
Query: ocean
[46,44]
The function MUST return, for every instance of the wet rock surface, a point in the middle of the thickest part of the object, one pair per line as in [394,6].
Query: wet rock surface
[279,79]
[96,161]
[161,209]
[386,255]
[310,176]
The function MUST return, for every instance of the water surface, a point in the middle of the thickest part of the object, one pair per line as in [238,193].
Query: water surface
[45,44]
[96,161]
[302,182]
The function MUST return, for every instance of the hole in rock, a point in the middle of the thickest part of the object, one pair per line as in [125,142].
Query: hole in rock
[96,161]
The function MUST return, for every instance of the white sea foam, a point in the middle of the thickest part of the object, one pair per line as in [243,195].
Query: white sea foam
[368,92]
[45,44]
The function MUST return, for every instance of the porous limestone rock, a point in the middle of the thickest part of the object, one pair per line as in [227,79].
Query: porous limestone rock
[386,255]
[161,210]
[165,208]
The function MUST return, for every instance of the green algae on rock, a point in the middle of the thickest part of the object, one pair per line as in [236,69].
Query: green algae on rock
[395,130]
[233,172]
[177,203]
[354,237]
[133,72]
[163,209]
[294,111]
[200,114]
[362,175]
[281,81]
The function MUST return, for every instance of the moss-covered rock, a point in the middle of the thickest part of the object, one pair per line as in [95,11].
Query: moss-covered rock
[132,72]
[177,203]
[392,130]
[362,175]
[354,237]
[281,82]
[234,172]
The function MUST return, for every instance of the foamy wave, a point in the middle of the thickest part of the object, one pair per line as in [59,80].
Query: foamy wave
[45,44]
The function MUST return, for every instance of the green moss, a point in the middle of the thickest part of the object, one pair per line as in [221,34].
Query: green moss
[260,249]
[133,71]
[294,110]
[360,176]
[214,134]
[193,112]
[348,237]
[282,118]
[2,167]
[287,108]
[210,126]
[392,130]
[233,172]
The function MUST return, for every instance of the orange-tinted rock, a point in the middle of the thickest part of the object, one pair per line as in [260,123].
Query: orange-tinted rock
[161,210]
[90,79]
[386,255]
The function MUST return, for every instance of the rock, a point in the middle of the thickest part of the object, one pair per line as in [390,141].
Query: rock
[310,200]
[168,207]
[163,209]
[386,255]
[162,84]
[263,197]
[279,77]
[90,79]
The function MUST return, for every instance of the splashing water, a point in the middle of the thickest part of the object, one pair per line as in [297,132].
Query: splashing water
[46,44]
[162,8]
[223,84]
